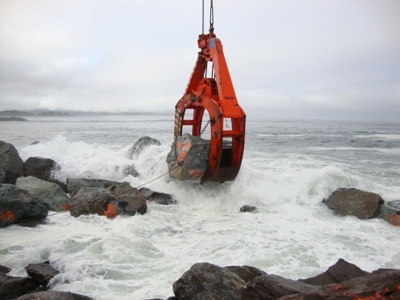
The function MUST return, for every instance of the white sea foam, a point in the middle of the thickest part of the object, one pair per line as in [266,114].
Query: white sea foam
[291,234]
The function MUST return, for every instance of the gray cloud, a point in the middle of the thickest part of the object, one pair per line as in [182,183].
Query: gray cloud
[288,59]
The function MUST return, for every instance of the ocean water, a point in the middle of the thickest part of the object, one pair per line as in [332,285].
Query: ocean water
[287,170]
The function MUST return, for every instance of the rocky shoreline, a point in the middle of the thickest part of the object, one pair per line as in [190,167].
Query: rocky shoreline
[28,191]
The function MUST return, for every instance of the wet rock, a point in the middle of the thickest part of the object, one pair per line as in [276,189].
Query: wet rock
[131,171]
[74,185]
[247,208]
[10,163]
[140,145]
[49,194]
[208,281]
[339,272]
[53,295]
[188,158]
[364,205]
[157,197]
[117,199]
[43,168]
[271,287]
[41,272]
[13,287]
[391,212]
[380,284]
[17,204]
[247,273]
[4,270]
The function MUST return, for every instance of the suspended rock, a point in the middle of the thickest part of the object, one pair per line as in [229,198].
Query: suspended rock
[10,163]
[339,272]
[391,212]
[159,198]
[364,205]
[188,158]
[48,193]
[208,281]
[74,185]
[42,272]
[17,204]
[118,199]
[140,145]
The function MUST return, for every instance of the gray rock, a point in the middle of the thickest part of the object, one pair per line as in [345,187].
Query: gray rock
[247,208]
[48,193]
[43,168]
[17,204]
[117,199]
[247,273]
[74,185]
[208,281]
[140,145]
[364,205]
[391,212]
[188,158]
[4,270]
[41,272]
[271,287]
[10,163]
[339,272]
[13,287]
[157,197]
[53,295]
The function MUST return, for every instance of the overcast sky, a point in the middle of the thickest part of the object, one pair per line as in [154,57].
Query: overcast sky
[319,59]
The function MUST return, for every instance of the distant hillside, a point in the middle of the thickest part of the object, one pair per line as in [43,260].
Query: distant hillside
[53,114]
[15,113]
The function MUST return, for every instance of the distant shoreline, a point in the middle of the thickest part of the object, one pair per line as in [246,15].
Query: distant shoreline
[14,119]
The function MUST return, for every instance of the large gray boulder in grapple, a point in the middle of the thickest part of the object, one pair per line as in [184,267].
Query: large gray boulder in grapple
[188,158]
[10,163]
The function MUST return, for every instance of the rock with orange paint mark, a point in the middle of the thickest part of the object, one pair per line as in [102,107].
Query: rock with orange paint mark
[17,205]
[123,199]
[48,193]
[363,205]
[10,163]
[188,158]
[391,212]
[75,184]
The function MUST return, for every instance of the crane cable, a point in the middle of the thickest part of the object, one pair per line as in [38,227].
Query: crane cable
[211,17]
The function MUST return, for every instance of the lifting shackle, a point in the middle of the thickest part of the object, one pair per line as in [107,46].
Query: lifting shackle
[216,95]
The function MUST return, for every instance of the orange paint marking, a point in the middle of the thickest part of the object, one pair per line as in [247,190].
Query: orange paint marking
[196,173]
[110,212]
[394,219]
[65,206]
[8,215]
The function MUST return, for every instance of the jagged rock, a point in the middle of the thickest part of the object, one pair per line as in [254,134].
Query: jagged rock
[41,272]
[391,212]
[247,273]
[43,168]
[364,205]
[188,158]
[74,185]
[159,198]
[140,145]
[339,272]
[380,284]
[53,295]
[13,287]
[10,163]
[4,270]
[271,287]
[17,204]
[130,170]
[117,199]
[247,208]
[48,193]
[208,281]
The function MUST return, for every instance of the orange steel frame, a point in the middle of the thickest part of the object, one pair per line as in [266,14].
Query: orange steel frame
[217,96]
